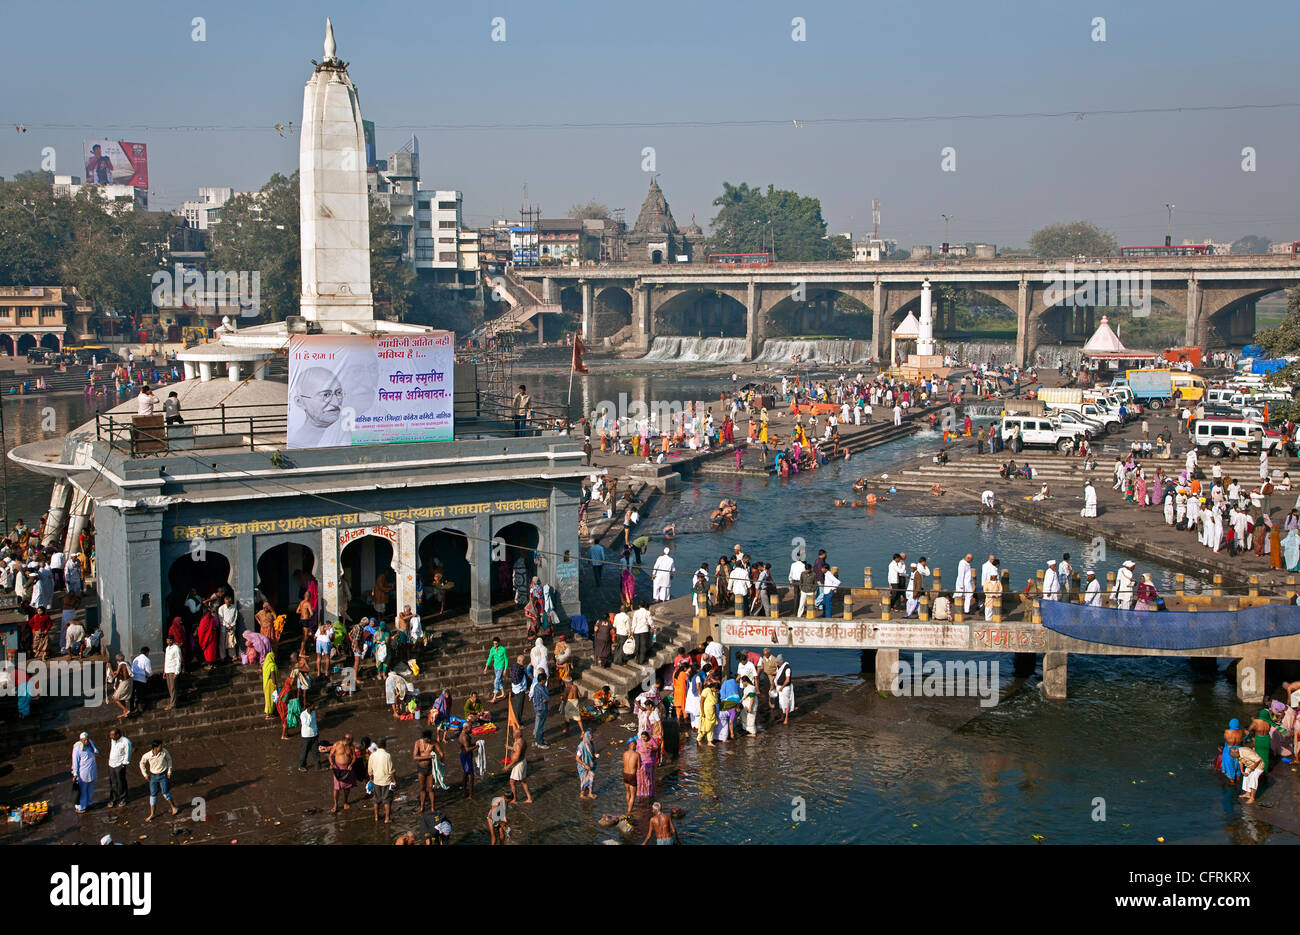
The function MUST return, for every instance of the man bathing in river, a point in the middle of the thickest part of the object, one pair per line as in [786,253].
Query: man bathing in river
[661,827]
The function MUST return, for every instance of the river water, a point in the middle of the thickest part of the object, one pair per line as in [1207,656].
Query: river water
[1126,759]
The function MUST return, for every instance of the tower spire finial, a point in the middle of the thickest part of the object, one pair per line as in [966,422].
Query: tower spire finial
[331,48]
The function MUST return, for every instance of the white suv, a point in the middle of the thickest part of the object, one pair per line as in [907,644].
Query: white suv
[1216,436]
[1042,432]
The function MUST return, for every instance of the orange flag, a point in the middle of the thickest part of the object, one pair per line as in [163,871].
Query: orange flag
[579,351]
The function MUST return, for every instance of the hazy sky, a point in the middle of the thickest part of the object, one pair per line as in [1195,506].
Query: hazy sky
[131,71]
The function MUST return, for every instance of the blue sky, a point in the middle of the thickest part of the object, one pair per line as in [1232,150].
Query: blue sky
[130,71]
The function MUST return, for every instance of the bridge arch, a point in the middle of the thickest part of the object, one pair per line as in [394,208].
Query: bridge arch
[817,310]
[701,312]
[613,309]
[1233,321]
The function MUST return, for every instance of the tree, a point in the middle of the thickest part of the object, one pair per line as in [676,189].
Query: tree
[112,253]
[1284,341]
[591,211]
[1251,243]
[33,230]
[1072,238]
[750,220]
[261,232]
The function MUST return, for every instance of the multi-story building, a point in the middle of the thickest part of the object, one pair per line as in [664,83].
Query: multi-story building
[43,316]
[426,222]
[206,210]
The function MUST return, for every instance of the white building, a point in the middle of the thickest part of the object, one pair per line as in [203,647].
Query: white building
[206,211]
[123,196]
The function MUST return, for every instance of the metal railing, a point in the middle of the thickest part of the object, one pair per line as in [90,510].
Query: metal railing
[235,426]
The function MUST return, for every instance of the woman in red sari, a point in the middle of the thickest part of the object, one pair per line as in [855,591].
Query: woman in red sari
[207,633]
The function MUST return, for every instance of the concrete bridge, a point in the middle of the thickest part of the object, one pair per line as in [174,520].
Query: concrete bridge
[1217,294]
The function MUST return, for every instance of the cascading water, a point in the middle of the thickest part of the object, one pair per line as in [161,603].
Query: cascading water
[781,351]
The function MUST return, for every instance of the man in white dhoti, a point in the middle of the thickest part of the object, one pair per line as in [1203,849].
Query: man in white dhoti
[1190,463]
[1089,510]
[1051,583]
[1119,474]
[1169,509]
[986,501]
[1092,594]
[1122,594]
[965,588]
[661,577]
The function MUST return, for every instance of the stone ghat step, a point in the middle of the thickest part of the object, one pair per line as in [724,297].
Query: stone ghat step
[623,679]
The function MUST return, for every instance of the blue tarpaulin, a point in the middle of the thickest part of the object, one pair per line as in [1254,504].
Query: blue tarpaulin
[1170,630]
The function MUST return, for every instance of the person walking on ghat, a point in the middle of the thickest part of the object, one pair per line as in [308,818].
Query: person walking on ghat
[156,768]
[465,741]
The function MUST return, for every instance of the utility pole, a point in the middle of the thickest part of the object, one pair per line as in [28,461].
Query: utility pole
[1169,227]
[947,220]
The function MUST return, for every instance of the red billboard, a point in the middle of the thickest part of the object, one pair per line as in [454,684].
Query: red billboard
[116,163]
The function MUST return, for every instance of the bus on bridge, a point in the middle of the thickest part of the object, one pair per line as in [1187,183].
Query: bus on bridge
[1187,249]
[740,259]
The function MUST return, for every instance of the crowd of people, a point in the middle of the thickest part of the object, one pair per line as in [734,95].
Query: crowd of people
[1248,754]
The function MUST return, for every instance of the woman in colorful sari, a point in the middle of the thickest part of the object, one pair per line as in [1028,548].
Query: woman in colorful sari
[1260,533]
[256,648]
[208,634]
[627,585]
[563,659]
[270,675]
[1232,737]
[265,619]
[1140,488]
[1157,489]
[730,695]
[708,713]
[586,760]
[1147,598]
[648,748]
[1274,546]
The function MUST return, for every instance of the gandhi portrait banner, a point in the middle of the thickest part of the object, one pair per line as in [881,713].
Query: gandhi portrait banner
[367,390]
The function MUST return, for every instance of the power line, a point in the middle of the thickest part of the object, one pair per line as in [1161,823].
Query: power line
[1074,114]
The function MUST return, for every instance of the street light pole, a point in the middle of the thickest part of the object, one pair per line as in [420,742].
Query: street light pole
[947,220]
[1169,228]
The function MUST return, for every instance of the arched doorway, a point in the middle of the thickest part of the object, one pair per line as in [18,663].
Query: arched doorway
[367,563]
[515,542]
[25,343]
[280,571]
[445,552]
[656,257]
[50,341]
[204,572]
[6,345]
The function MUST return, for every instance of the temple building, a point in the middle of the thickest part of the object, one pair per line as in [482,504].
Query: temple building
[655,237]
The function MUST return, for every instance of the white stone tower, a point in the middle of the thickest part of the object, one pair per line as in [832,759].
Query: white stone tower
[334,205]
[925,333]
